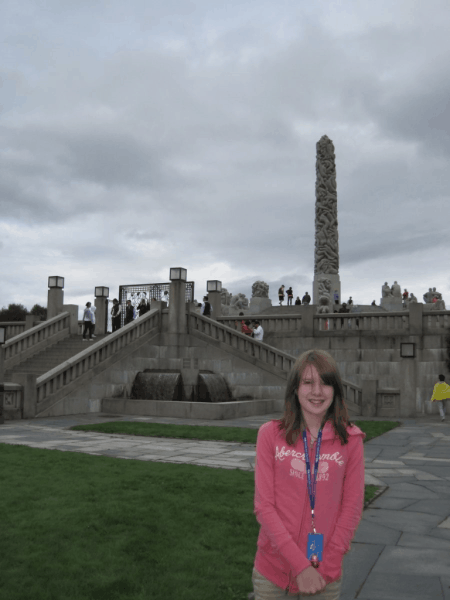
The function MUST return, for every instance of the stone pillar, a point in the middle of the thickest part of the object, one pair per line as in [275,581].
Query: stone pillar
[408,378]
[215,300]
[55,302]
[307,312]
[177,307]
[29,397]
[29,321]
[415,318]
[326,252]
[72,309]
[101,305]
[369,386]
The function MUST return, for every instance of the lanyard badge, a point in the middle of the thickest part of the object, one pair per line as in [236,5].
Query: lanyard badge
[314,550]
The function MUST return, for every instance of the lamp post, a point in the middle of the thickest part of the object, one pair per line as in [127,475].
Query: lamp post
[214,289]
[2,372]
[177,302]
[55,299]
[101,312]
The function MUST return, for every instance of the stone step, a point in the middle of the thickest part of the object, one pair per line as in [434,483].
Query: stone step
[53,356]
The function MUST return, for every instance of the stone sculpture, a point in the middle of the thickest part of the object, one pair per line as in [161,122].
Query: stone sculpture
[436,300]
[225,297]
[325,304]
[436,294]
[412,298]
[386,290]
[326,253]
[438,305]
[428,296]
[260,289]
[396,290]
[239,301]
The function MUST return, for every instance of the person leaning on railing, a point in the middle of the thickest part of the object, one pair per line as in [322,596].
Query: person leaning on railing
[258,331]
[246,328]
[237,325]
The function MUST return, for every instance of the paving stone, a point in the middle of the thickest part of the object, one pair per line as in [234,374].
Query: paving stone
[408,490]
[395,586]
[413,561]
[376,532]
[411,540]
[405,520]
[432,507]
[391,503]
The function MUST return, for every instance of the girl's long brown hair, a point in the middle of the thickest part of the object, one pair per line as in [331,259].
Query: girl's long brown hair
[292,421]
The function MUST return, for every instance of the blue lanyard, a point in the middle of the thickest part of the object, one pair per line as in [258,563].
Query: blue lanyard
[312,490]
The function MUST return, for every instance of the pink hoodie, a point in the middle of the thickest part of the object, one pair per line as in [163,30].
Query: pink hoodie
[283,509]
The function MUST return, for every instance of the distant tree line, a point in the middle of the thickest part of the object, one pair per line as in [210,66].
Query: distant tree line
[17,312]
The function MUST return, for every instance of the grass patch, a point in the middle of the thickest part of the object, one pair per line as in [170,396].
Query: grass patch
[79,527]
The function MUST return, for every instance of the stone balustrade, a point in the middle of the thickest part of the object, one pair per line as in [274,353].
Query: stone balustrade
[234,339]
[435,321]
[62,376]
[28,343]
[12,328]
[399,321]
[278,323]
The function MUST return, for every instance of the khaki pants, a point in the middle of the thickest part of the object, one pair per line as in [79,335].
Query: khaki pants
[266,590]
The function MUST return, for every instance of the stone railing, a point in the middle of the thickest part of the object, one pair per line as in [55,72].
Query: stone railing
[239,341]
[362,322]
[384,322]
[62,376]
[28,343]
[12,328]
[275,323]
[434,321]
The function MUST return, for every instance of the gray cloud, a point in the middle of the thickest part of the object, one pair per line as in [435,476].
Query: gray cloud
[185,134]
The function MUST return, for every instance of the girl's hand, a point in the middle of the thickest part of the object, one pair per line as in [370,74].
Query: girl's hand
[310,581]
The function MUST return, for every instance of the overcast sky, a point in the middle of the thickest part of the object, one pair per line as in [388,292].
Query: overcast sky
[145,135]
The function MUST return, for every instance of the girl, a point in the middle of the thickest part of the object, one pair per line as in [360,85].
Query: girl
[441,393]
[315,420]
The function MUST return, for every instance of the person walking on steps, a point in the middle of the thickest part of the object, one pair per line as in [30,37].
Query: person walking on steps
[206,309]
[309,486]
[441,393]
[87,322]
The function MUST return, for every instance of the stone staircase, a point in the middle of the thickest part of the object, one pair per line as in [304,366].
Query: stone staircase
[52,356]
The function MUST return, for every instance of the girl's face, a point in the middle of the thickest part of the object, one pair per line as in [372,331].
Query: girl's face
[314,396]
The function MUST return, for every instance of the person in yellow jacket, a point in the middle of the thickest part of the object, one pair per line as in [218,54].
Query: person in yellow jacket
[441,393]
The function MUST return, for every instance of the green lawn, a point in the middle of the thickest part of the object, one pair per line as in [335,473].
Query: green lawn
[78,527]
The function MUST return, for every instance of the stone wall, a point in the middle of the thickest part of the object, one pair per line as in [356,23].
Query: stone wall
[371,349]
